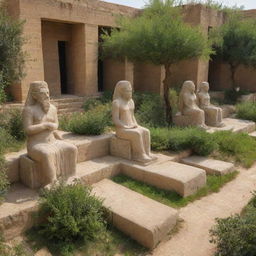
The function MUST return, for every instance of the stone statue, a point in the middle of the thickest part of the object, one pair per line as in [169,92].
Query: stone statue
[126,124]
[53,157]
[190,114]
[213,114]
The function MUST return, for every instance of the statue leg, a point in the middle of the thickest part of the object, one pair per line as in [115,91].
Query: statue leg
[135,136]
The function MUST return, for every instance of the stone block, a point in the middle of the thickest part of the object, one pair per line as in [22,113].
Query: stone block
[168,175]
[29,175]
[120,148]
[181,120]
[141,218]
[211,166]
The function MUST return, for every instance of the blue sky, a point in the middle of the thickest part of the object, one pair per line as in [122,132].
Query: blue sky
[248,4]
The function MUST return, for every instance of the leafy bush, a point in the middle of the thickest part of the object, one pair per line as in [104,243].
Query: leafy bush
[150,110]
[11,121]
[239,145]
[246,111]
[232,96]
[71,215]
[92,122]
[177,139]
[11,55]
[91,104]
[235,235]
[7,141]
[4,183]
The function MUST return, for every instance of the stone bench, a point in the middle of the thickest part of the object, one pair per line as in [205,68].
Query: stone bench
[182,121]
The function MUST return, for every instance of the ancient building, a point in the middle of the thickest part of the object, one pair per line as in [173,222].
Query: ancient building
[62,46]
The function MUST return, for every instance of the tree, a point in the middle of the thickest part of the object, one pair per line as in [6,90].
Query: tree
[11,56]
[237,43]
[159,36]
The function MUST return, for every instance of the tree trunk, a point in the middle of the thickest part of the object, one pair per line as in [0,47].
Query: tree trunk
[166,84]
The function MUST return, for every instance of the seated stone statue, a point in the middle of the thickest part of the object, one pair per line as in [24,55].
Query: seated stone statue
[190,114]
[213,114]
[54,158]
[126,124]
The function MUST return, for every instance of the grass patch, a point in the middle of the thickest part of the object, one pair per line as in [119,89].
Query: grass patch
[247,111]
[239,147]
[110,243]
[171,198]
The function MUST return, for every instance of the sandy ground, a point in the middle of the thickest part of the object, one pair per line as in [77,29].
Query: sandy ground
[193,238]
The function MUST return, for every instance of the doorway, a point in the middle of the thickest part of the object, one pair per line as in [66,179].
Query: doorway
[62,48]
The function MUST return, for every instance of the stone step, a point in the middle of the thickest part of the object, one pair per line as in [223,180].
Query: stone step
[69,111]
[211,166]
[165,174]
[253,134]
[141,218]
[235,125]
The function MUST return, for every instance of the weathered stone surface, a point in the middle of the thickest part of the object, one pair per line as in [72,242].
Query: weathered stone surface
[13,165]
[89,147]
[235,125]
[43,252]
[143,219]
[228,110]
[120,148]
[253,134]
[16,213]
[183,179]
[211,166]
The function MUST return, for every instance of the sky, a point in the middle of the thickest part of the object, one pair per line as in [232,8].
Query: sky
[248,4]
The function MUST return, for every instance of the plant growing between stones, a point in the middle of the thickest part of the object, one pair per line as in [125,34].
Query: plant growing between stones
[160,36]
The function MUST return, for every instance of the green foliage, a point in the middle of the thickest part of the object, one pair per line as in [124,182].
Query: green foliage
[4,183]
[150,110]
[177,139]
[246,111]
[235,235]
[159,36]
[11,121]
[236,43]
[232,96]
[92,122]
[171,198]
[71,214]
[7,141]
[238,145]
[11,55]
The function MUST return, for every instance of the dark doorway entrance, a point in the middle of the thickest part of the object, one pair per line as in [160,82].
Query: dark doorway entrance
[62,45]
[101,31]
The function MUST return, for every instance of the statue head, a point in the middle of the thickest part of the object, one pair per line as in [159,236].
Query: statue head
[39,94]
[204,87]
[123,90]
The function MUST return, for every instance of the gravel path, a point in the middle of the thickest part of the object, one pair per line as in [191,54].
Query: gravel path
[193,238]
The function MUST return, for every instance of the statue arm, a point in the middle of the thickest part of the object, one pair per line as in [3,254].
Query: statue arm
[115,115]
[29,127]
[133,116]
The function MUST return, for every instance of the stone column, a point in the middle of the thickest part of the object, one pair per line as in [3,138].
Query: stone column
[34,67]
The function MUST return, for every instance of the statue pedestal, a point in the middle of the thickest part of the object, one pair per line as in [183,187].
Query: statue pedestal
[29,174]
[120,148]
[182,121]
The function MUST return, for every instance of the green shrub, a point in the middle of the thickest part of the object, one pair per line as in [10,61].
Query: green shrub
[91,104]
[4,183]
[11,56]
[150,110]
[177,139]
[71,215]
[92,122]
[232,96]
[246,111]
[174,99]
[6,141]
[235,235]
[238,145]
[11,121]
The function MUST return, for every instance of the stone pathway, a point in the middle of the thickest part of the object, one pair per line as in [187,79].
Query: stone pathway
[193,238]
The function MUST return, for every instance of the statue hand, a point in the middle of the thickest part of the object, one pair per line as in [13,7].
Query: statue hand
[50,126]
